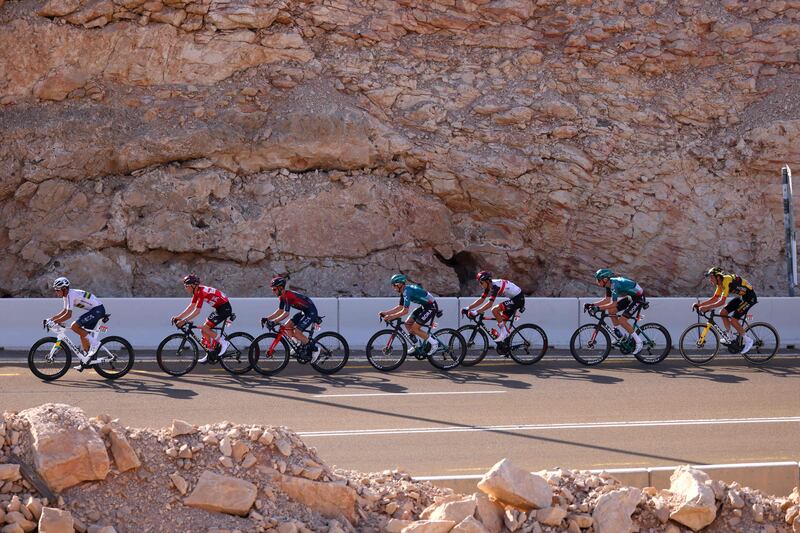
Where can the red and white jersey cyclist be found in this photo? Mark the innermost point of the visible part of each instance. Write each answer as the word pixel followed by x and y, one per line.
pixel 492 288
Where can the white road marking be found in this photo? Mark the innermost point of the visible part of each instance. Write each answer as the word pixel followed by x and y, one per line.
pixel 371 394
pixel 545 427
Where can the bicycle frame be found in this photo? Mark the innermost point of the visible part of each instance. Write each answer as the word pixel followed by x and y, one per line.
pixel 62 337
pixel 480 320
pixel 291 341
pixel 601 322
pixel 189 328
pixel 711 323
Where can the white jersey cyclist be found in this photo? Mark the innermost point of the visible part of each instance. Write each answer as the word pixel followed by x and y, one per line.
pixel 78 299
pixel 503 288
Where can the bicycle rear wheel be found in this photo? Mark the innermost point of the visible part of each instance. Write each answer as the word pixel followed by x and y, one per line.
pixel 590 344
pixel 527 344
pixel 120 353
pixel 236 359
pixel 765 343
pixel 49 359
pixel 386 350
pixel 699 346
pixel 451 350
pixel 268 355
pixel 177 354
pixel 333 354
pixel 477 344
pixel 656 344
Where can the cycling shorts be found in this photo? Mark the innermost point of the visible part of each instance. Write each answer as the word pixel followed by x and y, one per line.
pixel 425 313
pixel 219 314
pixel 512 305
pixel 89 319
pixel 630 306
pixel 739 306
pixel 304 319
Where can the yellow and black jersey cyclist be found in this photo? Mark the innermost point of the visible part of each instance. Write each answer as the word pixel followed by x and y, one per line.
pixel 744 297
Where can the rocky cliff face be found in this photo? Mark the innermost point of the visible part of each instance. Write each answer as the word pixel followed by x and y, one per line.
pixel 343 140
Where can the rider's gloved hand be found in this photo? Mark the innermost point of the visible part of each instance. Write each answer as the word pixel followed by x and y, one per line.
pixel 264 322
pixel 586 307
pixel 695 307
pixel 465 311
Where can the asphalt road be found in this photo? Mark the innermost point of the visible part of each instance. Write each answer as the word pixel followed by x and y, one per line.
pixel 555 413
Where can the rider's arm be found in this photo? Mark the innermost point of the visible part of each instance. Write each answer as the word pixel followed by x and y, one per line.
pixel 395 312
pixel 62 316
pixel 606 303
pixel 711 303
pixel 476 303
pixel 278 315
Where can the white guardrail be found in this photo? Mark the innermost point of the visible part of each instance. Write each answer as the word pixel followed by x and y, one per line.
pixel 145 321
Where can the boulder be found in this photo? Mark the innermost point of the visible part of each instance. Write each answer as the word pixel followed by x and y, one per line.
pixel 66 448
pixel 55 521
pixel 693 503
pixel 429 526
pixel 223 494
pixel 396 526
pixel 488 512
pixel 515 486
pixel 124 455
pixel 9 472
pixel 551 516
pixel 456 510
pixel 470 525
pixel 328 499
pixel 179 427
pixel 613 510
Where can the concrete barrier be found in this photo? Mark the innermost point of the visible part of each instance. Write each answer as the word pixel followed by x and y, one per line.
pixel 145 321
pixel 773 478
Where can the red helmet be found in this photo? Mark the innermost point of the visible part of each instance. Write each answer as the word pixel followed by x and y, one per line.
pixel 191 279
pixel 278 281
pixel 483 275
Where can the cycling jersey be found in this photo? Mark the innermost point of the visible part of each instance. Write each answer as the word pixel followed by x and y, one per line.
pixel 77 299
pixel 415 294
pixel 624 287
pixel 733 284
pixel 501 287
pixel 299 301
pixel 213 296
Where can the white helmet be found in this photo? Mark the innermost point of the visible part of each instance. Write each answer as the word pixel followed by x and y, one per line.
pixel 61 283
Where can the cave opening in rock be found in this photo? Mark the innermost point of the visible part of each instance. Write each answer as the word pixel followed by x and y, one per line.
pixel 465 265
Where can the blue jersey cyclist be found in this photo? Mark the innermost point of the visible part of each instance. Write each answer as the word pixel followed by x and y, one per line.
pixel 624 299
pixel 305 317
pixel 412 293
pixel 90 307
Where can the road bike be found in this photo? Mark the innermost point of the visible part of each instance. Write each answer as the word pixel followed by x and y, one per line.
pixel 269 353
pixel 50 357
pixel 388 348
pixel 526 344
pixel 178 353
pixel 591 343
pixel 700 342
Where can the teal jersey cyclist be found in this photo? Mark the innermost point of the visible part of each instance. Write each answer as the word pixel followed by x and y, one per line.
pixel 412 293
pixel 624 299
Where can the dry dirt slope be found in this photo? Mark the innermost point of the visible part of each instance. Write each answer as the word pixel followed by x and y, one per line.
pixel 261 478
pixel 342 140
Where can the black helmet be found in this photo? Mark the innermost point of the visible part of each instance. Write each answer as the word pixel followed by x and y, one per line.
pixel 191 279
pixel 278 281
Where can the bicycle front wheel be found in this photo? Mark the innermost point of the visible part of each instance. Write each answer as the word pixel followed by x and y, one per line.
pixel 236 358
pixel 527 344
pixel 117 357
pixel 49 359
pixel 386 350
pixel 177 354
pixel 656 344
pixel 333 353
pixel 268 355
pixel 590 345
pixel 765 343
pixel 477 344
pixel 451 350
pixel 699 344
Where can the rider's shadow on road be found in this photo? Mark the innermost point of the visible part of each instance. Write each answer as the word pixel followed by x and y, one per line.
pixel 678 369
pixel 471 376
pixel 128 386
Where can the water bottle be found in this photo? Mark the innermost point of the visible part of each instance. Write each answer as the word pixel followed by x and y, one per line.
pixel 494 333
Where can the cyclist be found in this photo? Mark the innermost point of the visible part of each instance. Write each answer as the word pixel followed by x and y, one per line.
pixel 427 310
pixel 92 309
pixel 745 298
pixel 222 311
pixel 306 315
pixel 492 288
pixel 628 305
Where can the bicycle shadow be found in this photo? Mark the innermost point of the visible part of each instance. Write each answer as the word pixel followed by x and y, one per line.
pixel 128 385
pixel 679 369
pixel 468 376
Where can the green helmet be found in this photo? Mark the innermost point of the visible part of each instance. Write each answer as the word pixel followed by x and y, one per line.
pixel 603 273
pixel 714 271
pixel 399 278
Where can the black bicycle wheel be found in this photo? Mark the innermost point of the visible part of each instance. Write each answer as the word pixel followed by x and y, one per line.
pixel 117 357
pixel 268 355
pixel 451 349
pixel 477 344
pixel 765 343
pixel 699 344
pixel 236 358
pixel 49 358
pixel 386 350
pixel 177 354
pixel 656 344
pixel 333 353
pixel 527 344
pixel 590 344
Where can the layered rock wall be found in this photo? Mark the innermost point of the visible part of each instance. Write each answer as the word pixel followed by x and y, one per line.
pixel 343 140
